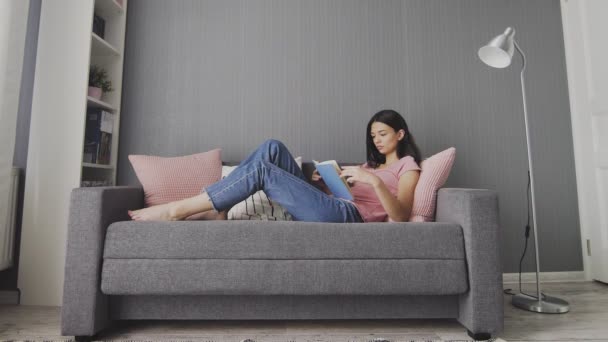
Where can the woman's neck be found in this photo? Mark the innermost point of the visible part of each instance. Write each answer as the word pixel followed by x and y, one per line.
pixel 391 159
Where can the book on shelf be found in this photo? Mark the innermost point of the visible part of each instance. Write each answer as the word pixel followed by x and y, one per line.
pixel 330 171
pixel 90 153
pixel 98 136
pixel 104 148
pixel 91 135
pixel 99 26
pixel 107 122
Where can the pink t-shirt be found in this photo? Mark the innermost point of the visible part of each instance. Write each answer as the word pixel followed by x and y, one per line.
pixel 365 198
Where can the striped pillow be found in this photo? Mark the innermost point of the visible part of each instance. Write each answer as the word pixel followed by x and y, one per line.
pixel 258 206
pixel 171 179
pixel 434 174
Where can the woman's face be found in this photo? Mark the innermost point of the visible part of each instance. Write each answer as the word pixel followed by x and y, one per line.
pixel 385 138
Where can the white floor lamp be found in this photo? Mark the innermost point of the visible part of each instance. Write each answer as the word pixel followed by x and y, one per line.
pixel 498 54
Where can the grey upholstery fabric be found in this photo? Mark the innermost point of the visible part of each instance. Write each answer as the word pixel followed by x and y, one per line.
pixel 282 307
pixel 476 210
pixel 84 309
pixel 283 240
pixel 283 277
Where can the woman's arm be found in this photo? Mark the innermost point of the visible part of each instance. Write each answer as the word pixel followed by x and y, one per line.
pixel 398 208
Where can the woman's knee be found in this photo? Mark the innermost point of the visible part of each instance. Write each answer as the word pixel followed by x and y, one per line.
pixel 272 148
pixel 260 165
pixel 274 143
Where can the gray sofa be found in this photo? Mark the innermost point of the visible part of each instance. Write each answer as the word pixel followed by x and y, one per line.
pixel 118 269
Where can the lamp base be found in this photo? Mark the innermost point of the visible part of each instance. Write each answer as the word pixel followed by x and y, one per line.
pixel 546 305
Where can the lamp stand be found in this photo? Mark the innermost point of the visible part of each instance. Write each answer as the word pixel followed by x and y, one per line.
pixel 536 304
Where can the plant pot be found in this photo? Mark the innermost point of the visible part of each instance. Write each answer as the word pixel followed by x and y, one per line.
pixel 95 92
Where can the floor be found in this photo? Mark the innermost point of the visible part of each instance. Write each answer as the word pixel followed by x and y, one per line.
pixel 586 321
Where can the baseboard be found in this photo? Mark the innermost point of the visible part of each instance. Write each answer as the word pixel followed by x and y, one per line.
pixel 545 277
pixel 9 297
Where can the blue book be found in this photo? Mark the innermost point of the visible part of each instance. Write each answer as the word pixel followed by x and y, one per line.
pixel 330 173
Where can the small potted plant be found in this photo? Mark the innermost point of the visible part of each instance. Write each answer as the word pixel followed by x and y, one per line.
pixel 98 82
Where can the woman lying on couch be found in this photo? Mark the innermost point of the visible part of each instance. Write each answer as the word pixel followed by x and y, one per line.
pixel 382 188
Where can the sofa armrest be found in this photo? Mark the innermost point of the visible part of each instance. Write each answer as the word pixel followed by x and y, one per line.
pixel 85 309
pixel 476 210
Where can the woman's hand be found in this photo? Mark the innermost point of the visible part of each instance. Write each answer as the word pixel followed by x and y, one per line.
pixel 316 177
pixel 358 174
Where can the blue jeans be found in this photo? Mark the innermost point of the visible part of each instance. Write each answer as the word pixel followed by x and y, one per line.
pixel 272 168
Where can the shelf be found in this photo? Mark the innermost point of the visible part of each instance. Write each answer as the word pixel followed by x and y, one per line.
pixel 108 8
pixel 87 184
pixel 95 103
pixel 97 166
pixel 100 47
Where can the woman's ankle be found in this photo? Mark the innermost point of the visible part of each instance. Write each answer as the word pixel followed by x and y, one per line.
pixel 175 212
pixel 179 210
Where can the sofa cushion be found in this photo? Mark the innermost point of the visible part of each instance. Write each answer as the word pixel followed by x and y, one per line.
pixel 282 240
pixel 283 277
pixel 435 172
pixel 167 179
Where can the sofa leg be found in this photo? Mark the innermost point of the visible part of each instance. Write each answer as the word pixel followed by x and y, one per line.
pixel 479 336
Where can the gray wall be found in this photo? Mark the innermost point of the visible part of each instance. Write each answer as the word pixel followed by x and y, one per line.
pixel 8 277
pixel 207 74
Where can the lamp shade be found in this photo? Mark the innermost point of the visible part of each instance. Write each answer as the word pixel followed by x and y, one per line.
pixel 499 51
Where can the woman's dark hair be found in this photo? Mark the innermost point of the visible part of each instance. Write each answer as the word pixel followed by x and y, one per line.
pixel 406 146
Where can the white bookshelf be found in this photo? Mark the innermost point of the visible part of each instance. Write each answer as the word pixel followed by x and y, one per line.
pixel 107 53
pixel 66 48
pixel 109 8
pixel 95 103
pixel 97 166
pixel 100 47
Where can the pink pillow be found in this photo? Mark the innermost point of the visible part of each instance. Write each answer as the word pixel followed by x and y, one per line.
pixel 171 179
pixel 434 174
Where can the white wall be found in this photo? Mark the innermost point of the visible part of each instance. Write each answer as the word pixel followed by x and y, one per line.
pixel 13 27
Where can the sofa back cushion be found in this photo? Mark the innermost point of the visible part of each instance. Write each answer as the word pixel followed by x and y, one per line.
pixel 435 172
pixel 167 179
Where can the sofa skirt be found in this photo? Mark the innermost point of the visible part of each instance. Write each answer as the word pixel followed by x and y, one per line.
pixel 239 307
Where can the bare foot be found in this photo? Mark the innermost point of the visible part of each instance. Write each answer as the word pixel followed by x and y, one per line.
pixel 161 212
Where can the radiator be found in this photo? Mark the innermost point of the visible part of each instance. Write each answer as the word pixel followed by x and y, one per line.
pixel 7 229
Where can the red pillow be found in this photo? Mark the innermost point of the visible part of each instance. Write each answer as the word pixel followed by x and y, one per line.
pixel 171 179
pixel 434 174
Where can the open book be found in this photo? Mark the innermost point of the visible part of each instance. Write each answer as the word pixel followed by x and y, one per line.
pixel 330 172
